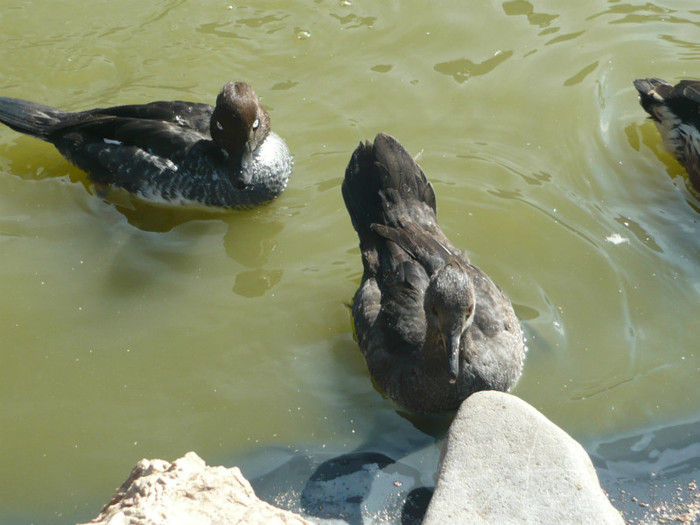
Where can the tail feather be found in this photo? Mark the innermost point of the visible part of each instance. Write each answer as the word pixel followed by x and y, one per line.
pixel 29 117
pixel 652 94
pixel 383 184
pixel 653 87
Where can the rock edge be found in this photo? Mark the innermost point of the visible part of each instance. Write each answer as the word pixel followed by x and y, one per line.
pixel 505 462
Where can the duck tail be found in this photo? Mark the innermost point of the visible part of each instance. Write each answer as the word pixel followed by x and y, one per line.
pixel 653 92
pixel 29 117
pixel 383 183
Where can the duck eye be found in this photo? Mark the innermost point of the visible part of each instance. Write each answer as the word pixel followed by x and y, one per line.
pixel 219 126
pixel 256 123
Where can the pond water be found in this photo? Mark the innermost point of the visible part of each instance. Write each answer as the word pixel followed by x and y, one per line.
pixel 129 331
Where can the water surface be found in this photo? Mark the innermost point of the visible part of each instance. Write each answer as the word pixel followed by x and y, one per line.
pixel 130 331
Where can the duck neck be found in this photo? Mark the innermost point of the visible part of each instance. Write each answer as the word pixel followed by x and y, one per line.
pixel 433 357
pixel 421 383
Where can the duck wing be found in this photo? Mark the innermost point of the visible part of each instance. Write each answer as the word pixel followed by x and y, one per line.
pixel 689 89
pixel 190 115
pixel 160 138
pixel 114 149
pixel 401 318
pixel 430 249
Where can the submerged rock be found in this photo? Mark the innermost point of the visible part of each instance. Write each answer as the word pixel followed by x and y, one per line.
pixel 187 491
pixel 504 462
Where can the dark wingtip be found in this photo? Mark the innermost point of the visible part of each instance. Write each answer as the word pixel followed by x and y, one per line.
pixel 382 138
pixel 645 86
pixel 642 85
pixel 387 149
pixel 652 93
pixel 363 154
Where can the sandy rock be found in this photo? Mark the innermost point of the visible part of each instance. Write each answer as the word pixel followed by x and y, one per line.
pixel 188 492
pixel 504 462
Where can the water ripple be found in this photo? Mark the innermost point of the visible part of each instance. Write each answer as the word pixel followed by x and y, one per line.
pixel 463 69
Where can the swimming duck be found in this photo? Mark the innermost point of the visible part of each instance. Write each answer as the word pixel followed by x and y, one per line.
pixel 676 112
pixel 432 327
pixel 174 153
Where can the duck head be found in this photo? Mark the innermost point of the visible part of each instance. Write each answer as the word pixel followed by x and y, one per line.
pixel 449 311
pixel 238 126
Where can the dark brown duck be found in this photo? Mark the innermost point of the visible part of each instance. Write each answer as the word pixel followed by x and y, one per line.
pixel 676 112
pixel 432 327
pixel 169 152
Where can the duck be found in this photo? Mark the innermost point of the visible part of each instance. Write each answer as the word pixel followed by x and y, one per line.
pixel 676 112
pixel 173 153
pixel 432 327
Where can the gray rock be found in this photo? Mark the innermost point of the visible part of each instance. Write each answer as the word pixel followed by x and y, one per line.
pixel 504 462
pixel 188 492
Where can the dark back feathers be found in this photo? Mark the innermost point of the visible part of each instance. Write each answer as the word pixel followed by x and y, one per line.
pixel 382 183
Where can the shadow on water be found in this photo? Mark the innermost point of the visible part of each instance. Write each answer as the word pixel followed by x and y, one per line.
pixel 250 238
pixel 366 485
pixel 387 477
pixel 651 476
pixel 154 218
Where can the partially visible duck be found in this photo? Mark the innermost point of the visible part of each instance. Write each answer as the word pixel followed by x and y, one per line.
pixel 175 153
pixel 432 327
pixel 676 112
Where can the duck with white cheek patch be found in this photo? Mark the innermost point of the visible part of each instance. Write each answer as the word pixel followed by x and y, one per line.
pixel 169 152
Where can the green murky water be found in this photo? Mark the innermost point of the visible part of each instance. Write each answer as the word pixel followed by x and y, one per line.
pixel 130 333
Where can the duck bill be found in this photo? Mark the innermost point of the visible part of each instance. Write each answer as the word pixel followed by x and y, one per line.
pixel 240 177
pixel 453 343
pixel 239 162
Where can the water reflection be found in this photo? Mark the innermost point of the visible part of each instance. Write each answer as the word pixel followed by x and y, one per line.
pixel 606 322
pixel 353 21
pixel 487 153
pixel 652 474
pixel 564 38
pixel 463 69
pixel 153 218
pixel 271 22
pixel 283 86
pixel 255 283
pixel 639 232
pixel 524 8
pixel 382 68
pixel 581 75
pixel 667 449
pixel 648 135
pixel 642 14
pixel 389 480
pixel 251 238
pixel 215 28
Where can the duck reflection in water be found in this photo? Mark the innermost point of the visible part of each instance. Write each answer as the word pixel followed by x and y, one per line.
pixel 432 327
